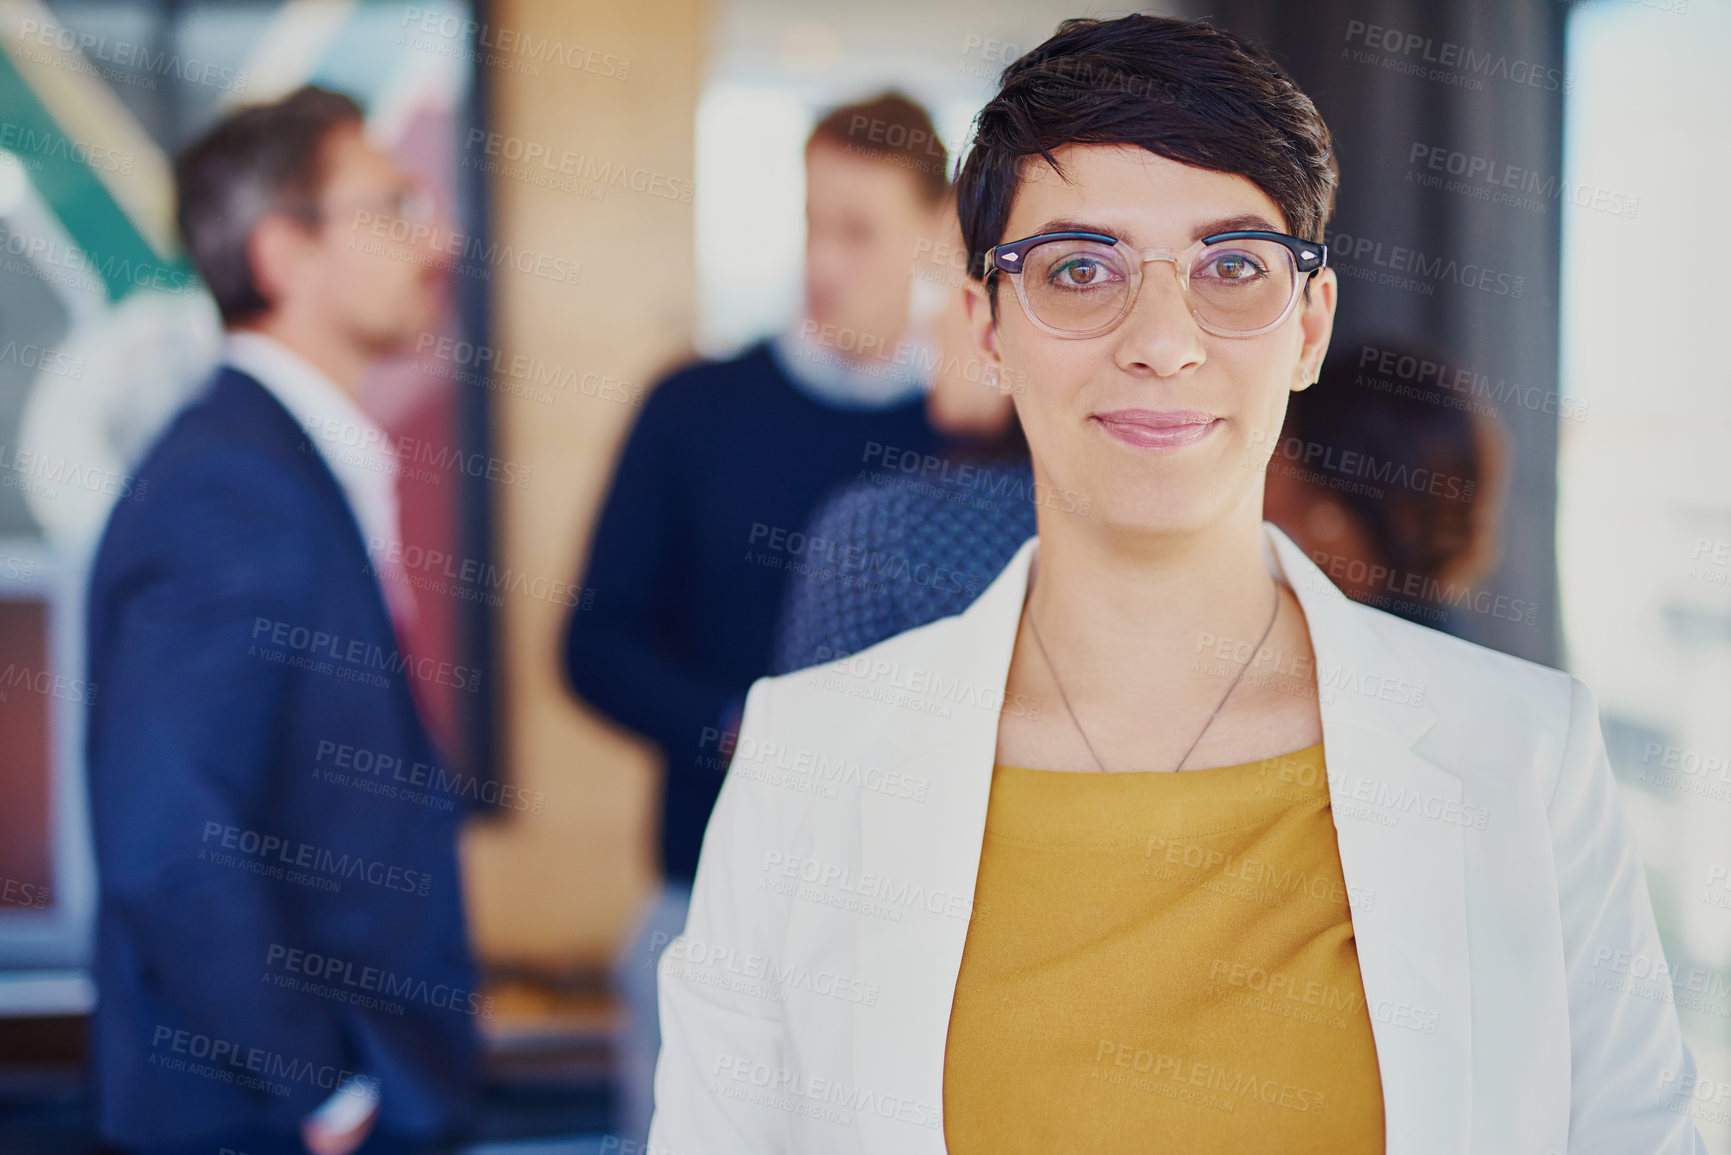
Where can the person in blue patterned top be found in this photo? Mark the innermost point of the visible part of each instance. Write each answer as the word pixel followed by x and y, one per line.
pixel 916 537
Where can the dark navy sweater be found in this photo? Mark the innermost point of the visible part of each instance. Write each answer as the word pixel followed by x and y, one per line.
pixel 691 555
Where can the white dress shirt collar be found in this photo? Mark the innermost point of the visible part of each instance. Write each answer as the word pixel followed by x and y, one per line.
pixel 351 443
pixel 827 377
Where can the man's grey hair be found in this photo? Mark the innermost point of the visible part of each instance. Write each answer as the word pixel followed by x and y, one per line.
pixel 258 160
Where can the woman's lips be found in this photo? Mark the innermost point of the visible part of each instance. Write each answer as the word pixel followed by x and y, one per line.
pixel 1154 429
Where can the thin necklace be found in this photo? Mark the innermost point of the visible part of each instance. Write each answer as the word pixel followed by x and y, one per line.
pixel 1065 698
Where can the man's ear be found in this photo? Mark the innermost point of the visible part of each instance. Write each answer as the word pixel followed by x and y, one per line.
pixel 275 253
pixel 1316 319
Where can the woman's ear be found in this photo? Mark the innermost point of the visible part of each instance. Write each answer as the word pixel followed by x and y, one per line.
pixel 982 326
pixel 1316 321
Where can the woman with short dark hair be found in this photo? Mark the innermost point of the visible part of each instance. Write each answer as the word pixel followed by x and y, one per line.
pixel 1164 844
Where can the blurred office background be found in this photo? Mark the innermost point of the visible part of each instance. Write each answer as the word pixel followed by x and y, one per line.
pixel 1583 303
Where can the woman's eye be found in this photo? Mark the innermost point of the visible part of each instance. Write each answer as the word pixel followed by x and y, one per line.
pixel 1234 267
pixel 1079 274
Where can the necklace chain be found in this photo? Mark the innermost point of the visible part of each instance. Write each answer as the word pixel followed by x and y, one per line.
pixel 1065 698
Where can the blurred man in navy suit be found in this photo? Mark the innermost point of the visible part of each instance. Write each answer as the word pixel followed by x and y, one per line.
pixel 281 954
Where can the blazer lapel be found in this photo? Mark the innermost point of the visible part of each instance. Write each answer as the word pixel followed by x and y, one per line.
pixel 1401 855
pixel 899 1042
pixel 1402 851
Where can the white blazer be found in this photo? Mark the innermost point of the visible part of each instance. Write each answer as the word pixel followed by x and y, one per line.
pixel 1505 937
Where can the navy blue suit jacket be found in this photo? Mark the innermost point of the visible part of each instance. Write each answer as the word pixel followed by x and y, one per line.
pixel 277 908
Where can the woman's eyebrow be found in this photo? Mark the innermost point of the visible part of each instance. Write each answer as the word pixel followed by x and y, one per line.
pixel 1241 222
pixel 1070 225
pixel 1244 222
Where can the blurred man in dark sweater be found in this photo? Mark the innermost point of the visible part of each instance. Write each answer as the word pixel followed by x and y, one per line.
pixel 719 478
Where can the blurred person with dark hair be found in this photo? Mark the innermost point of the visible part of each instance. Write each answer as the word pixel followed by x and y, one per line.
pixel 244 641
pixel 693 547
pixel 1393 487
pixel 997 927
pixel 921 535
pixel 910 550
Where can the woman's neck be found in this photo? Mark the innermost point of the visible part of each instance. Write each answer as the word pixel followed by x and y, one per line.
pixel 1173 650
pixel 1121 606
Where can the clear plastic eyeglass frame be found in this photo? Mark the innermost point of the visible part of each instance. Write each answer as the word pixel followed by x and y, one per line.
pixel 1308 258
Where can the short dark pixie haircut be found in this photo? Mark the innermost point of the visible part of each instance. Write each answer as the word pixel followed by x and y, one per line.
pixel 1181 89
pixel 258 160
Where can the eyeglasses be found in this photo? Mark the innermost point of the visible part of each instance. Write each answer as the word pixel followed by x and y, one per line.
pixel 1236 284
pixel 412 201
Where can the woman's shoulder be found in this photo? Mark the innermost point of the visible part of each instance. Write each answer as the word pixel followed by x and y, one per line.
pixel 1490 707
pixel 1461 666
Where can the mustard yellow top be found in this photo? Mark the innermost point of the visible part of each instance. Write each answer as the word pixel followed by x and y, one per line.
pixel 1161 962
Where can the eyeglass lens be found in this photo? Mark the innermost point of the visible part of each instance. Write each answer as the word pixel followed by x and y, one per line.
pixel 1234 286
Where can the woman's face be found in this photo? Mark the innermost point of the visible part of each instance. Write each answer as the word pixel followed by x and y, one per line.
pixel 1156 426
